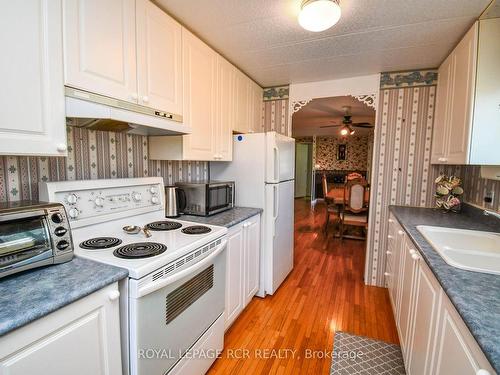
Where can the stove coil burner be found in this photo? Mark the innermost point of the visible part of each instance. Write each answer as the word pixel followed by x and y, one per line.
pixel 164 225
pixel 139 250
pixel 196 229
pixel 100 243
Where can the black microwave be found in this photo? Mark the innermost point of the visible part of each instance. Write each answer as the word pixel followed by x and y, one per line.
pixel 206 198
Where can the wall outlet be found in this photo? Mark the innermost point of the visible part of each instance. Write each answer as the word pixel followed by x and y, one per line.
pixel 488 197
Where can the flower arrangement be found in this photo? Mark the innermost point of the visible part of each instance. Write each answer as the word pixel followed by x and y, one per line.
pixel 448 191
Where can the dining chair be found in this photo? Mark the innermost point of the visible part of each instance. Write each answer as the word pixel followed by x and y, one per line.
pixel 355 209
pixel 331 208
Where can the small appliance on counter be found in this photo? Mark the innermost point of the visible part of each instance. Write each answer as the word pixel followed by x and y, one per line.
pixel 207 198
pixel 33 234
pixel 175 201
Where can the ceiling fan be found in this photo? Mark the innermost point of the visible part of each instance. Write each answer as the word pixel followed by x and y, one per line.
pixel 347 126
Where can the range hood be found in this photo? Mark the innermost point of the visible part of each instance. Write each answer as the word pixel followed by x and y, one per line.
pixel 99 112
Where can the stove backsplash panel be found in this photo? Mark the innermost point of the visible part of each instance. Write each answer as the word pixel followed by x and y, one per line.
pixel 91 155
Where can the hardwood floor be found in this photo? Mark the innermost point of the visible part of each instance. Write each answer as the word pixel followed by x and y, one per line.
pixel 324 293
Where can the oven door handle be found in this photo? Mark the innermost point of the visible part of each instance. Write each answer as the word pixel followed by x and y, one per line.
pixel 152 287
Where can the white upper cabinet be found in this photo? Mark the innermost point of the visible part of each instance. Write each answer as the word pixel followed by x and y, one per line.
pixel 486 131
pixel 159 58
pixel 248 103
pixel 200 93
pixel 124 49
pixel 225 109
pixel 32 114
pixel 255 110
pixel 441 119
pixel 100 47
pixel 468 100
pixel 242 99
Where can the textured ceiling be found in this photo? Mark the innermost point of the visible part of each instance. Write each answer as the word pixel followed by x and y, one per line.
pixel 493 11
pixel 264 39
pixel 328 111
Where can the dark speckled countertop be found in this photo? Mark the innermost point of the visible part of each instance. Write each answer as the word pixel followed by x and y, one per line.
pixel 227 218
pixel 32 294
pixel 475 295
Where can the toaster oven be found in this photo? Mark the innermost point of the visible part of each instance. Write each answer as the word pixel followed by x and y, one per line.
pixel 33 234
pixel 206 198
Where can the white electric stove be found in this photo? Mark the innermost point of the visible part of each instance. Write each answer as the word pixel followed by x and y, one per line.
pixel 172 304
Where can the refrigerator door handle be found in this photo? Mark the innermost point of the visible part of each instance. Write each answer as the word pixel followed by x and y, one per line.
pixel 276 197
pixel 276 163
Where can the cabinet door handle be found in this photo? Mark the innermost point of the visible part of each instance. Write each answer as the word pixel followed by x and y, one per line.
pixel 443 159
pixel 390 237
pixel 145 99
pixel 387 274
pixel 62 147
pixel 415 257
pixel 388 252
pixel 482 372
pixel 400 232
pixel 391 221
pixel 114 295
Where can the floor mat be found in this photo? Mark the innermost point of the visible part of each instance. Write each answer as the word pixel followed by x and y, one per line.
pixel 353 355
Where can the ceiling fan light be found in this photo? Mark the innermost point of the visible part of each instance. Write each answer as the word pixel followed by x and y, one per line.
pixel 319 15
pixel 351 130
pixel 344 131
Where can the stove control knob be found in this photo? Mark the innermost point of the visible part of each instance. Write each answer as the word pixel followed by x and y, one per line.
pixel 155 200
pixel 73 213
pixel 72 198
pixel 99 201
pixel 136 197
pixel 153 190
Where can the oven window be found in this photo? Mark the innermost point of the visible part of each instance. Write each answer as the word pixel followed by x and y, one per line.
pixel 22 235
pixel 220 197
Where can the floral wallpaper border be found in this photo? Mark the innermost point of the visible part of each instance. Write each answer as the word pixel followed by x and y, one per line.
pixel 275 93
pixel 408 79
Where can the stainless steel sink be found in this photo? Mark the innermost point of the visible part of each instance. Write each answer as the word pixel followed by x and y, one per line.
pixel 467 249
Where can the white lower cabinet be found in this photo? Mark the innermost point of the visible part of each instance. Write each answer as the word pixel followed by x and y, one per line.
pixel 242 273
pixel 234 272
pixel 456 351
pixel 252 257
pixel 424 316
pixel 434 339
pixel 407 290
pixel 80 339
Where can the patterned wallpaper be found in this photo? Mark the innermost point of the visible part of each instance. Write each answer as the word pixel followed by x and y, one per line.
pixel 401 169
pixel 356 158
pixel 91 155
pixel 275 116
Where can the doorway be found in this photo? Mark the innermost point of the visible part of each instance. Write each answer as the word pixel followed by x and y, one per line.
pixel 303 170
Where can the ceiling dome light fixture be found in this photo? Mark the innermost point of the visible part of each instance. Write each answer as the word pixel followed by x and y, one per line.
pixel 319 15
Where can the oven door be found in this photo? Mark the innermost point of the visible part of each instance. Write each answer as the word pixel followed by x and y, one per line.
pixel 168 318
pixel 220 197
pixel 24 239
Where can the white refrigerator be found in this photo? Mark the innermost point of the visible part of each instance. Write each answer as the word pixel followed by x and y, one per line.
pixel 263 169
